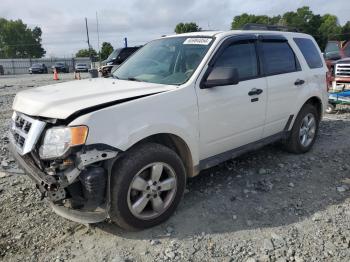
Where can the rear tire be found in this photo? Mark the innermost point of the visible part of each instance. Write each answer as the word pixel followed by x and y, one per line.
pixel 147 184
pixel 304 131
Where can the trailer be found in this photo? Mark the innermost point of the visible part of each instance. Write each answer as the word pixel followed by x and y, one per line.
pixel 339 98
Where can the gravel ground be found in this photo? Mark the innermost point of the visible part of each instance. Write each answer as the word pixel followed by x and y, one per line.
pixel 268 205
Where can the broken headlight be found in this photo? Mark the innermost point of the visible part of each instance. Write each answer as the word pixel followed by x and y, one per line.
pixel 58 140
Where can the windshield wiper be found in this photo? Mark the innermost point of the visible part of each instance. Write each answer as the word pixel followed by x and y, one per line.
pixel 134 79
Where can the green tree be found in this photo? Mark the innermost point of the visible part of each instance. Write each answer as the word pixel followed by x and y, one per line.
pixel 86 53
pixel 300 19
pixel 187 28
pixel 106 50
pixel 17 40
pixel 240 20
pixel 329 30
pixel 346 31
pixel 323 28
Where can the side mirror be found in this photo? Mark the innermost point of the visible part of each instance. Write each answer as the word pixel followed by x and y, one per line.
pixel 118 59
pixel 221 76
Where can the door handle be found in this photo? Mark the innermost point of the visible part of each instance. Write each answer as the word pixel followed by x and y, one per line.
pixel 255 91
pixel 299 82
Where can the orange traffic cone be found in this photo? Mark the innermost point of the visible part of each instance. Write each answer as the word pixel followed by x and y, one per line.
pixel 55 74
pixel 77 76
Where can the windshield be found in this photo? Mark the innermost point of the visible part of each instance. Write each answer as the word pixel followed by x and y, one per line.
pixel 169 61
pixel 332 51
pixel 36 65
pixel 113 55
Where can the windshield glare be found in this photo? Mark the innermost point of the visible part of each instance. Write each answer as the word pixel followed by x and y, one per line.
pixel 169 61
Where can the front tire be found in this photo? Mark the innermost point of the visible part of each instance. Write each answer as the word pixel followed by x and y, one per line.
pixel 330 109
pixel 304 131
pixel 147 185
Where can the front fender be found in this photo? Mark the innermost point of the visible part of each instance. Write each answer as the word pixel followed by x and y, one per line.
pixel 121 126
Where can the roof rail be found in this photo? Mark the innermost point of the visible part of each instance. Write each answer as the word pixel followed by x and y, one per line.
pixel 253 26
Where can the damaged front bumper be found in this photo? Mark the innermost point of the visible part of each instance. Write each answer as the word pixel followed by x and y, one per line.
pixel 57 190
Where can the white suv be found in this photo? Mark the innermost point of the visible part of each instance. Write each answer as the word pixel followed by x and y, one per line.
pixel 123 147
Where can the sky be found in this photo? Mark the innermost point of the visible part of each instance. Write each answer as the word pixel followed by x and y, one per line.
pixel 63 24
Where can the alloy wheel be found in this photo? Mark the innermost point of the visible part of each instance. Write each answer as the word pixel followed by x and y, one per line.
pixel 307 130
pixel 152 191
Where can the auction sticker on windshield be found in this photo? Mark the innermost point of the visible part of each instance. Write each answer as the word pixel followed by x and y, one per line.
pixel 197 41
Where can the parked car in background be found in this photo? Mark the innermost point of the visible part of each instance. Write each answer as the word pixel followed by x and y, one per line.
pixel 123 147
pixel 117 57
pixel 38 68
pixel 337 56
pixel 60 67
pixel 81 67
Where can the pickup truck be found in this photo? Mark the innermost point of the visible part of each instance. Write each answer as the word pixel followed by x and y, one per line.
pixel 337 55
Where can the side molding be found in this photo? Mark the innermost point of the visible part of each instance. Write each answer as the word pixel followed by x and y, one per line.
pixel 217 159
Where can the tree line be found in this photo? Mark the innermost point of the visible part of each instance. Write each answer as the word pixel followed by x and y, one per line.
pixel 322 28
pixel 106 50
pixel 17 40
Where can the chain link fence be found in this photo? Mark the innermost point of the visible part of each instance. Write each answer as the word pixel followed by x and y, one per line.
pixel 21 65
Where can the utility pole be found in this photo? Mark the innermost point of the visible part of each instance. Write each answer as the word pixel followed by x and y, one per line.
pixel 125 42
pixel 98 40
pixel 88 39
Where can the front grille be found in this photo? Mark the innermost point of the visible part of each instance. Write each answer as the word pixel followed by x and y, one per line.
pixel 25 132
pixel 19 140
pixel 342 70
pixel 22 124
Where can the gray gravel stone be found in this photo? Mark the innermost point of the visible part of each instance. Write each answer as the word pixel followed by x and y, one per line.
pixel 342 188
pixel 268 245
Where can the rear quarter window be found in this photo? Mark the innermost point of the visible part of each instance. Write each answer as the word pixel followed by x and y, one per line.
pixel 310 52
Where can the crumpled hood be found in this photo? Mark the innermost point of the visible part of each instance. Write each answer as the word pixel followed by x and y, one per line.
pixel 63 99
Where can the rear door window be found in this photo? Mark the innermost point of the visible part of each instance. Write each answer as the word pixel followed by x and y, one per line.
pixel 242 56
pixel 310 52
pixel 278 58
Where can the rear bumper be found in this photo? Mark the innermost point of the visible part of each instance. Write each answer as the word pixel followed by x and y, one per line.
pixel 46 183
